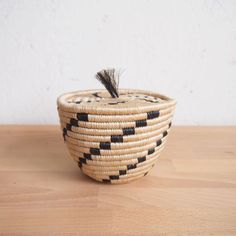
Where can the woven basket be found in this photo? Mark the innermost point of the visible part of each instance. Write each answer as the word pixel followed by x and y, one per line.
pixel 115 140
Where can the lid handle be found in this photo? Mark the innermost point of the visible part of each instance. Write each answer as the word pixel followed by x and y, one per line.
pixel 110 79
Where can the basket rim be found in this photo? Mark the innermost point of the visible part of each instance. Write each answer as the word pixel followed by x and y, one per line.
pixel 118 110
pixel 119 131
pixel 113 125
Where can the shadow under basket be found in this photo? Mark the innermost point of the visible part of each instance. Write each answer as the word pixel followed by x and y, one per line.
pixel 115 140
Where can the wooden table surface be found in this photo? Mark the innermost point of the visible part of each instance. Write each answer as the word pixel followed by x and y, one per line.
pixel 191 190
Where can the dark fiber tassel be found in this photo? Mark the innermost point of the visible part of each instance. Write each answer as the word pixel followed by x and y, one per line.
pixel 110 80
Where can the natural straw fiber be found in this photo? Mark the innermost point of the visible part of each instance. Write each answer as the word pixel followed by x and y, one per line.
pixel 100 160
pixel 113 146
pixel 127 138
pixel 115 139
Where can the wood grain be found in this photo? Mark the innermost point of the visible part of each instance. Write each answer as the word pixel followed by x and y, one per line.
pixel 191 191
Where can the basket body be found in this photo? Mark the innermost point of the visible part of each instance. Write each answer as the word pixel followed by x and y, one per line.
pixel 117 141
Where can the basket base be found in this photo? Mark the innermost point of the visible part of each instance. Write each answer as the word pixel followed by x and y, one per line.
pixel 123 180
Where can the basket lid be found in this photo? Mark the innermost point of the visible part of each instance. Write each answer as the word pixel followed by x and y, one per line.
pixel 130 101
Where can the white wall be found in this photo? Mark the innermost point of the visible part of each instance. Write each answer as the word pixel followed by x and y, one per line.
pixel 184 49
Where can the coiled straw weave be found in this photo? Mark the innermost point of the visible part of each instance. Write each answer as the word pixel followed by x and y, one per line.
pixel 115 140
